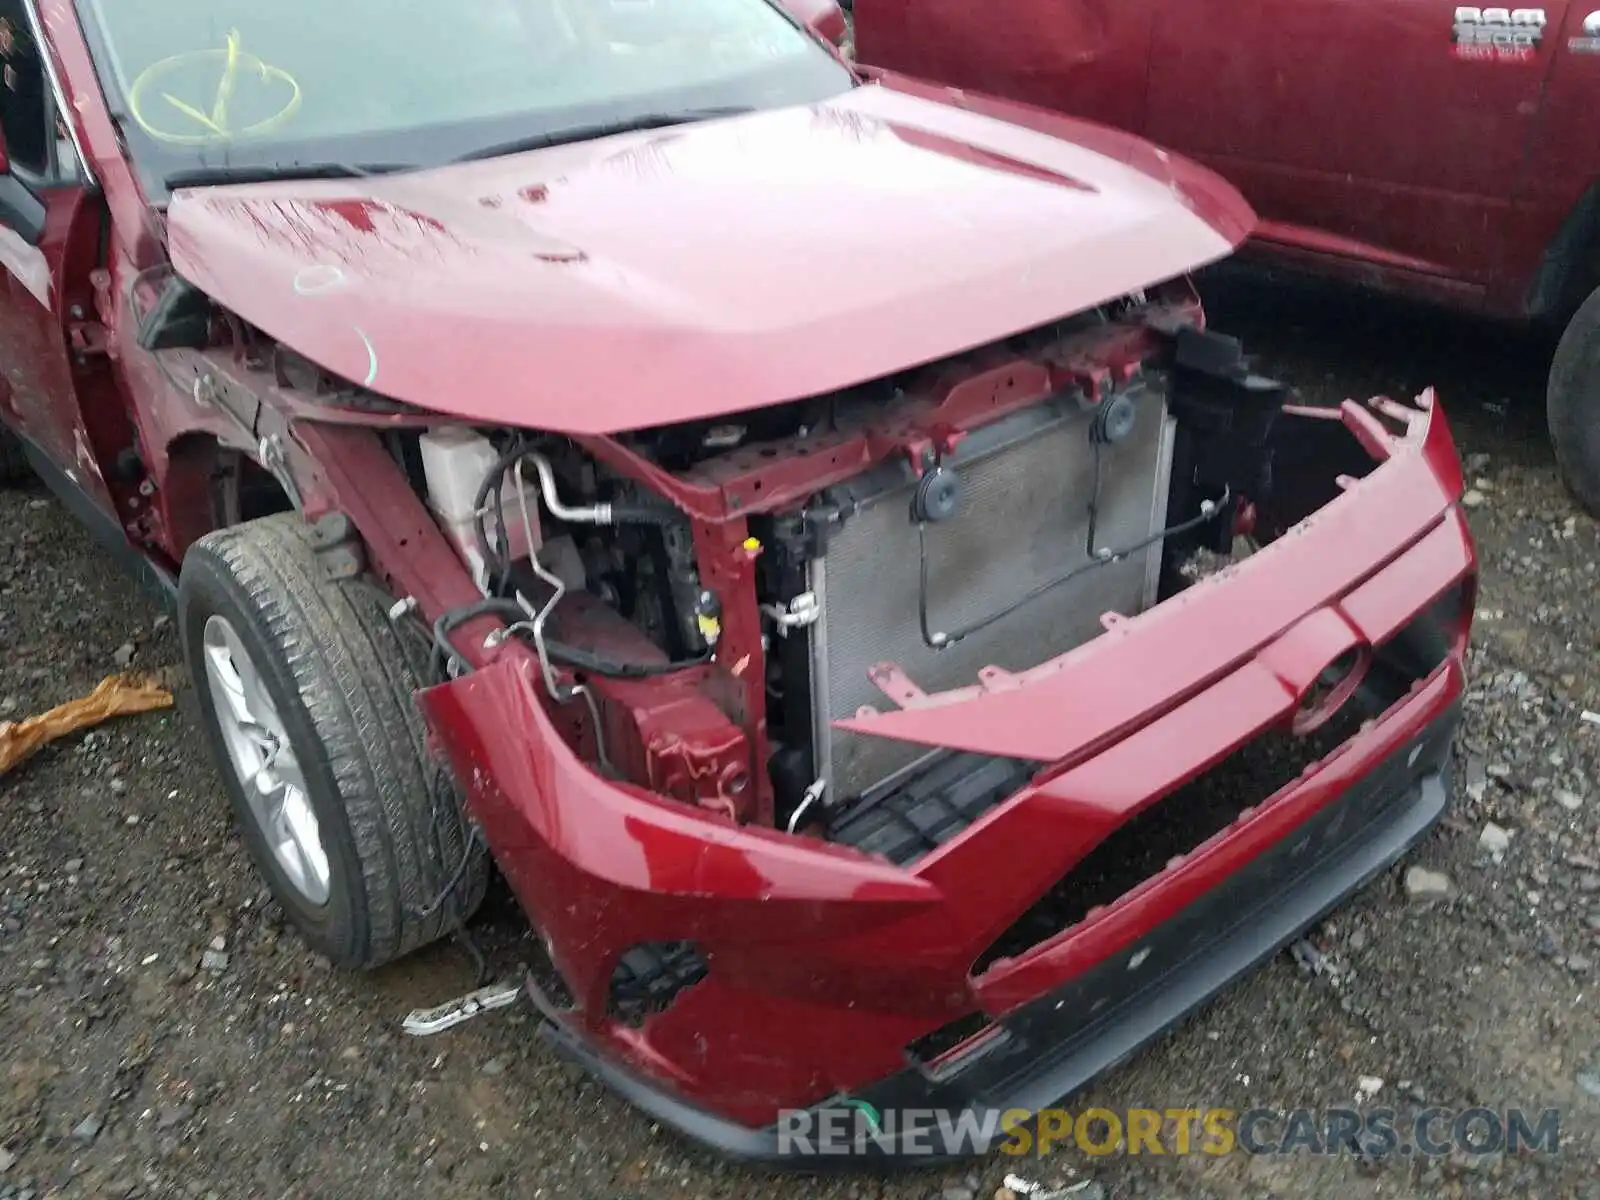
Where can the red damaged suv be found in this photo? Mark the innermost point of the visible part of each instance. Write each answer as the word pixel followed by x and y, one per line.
pixel 797 525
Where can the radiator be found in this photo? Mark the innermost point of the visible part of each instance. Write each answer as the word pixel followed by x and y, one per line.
pixel 1023 521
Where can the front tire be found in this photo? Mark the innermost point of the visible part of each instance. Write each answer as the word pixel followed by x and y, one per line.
pixel 304 689
pixel 1574 405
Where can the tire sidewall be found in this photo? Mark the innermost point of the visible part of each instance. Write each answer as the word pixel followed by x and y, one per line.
pixel 1574 405
pixel 336 928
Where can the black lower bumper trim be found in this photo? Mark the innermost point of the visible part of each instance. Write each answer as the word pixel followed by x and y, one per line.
pixel 1056 1045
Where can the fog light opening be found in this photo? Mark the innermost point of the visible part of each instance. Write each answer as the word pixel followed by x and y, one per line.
pixel 649 977
pixel 1334 688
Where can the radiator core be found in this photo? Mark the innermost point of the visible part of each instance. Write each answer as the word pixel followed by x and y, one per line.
pixel 1023 521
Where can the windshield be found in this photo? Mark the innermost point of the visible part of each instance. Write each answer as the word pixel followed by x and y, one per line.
pixel 206 84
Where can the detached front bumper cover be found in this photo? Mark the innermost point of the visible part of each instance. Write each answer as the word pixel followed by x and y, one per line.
pixel 823 965
pixel 1058 1043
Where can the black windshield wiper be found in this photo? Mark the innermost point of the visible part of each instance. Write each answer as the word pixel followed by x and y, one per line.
pixel 584 133
pixel 216 176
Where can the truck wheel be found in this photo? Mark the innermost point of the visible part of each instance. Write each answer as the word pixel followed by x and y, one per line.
pixel 13 462
pixel 304 688
pixel 1574 405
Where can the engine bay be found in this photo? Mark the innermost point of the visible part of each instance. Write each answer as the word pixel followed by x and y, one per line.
pixel 708 599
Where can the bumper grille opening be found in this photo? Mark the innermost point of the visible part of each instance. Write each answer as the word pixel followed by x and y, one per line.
pixel 1181 822
pixel 1173 826
pixel 904 821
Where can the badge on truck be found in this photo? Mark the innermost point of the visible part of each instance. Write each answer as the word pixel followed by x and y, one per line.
pixel 1497 34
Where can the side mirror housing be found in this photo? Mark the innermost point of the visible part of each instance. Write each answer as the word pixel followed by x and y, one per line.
pixel 20 210
pixel 823 17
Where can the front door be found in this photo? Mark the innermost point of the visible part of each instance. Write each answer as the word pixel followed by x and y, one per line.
pixel 40 285
pixel 1394 130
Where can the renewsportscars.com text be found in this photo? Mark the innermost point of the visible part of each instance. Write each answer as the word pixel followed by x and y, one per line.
pixel 858 1128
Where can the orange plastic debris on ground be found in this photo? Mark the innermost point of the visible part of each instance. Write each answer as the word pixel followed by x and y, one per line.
pixel 117 696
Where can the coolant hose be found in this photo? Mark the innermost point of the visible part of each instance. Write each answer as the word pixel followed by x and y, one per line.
pixel 659 514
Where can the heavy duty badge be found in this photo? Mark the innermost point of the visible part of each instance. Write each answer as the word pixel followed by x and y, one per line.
pixel 1589 41
pixel 1497 34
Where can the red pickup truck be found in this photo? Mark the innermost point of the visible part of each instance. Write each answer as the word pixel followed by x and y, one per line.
pixel 1440 151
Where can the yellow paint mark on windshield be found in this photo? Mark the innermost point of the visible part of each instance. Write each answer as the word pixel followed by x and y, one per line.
pixel 219 115
pixel 199 129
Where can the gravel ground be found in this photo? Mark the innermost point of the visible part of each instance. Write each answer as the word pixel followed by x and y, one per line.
pixel 132 1068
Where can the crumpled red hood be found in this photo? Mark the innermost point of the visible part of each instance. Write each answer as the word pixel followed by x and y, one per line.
pixel 702 270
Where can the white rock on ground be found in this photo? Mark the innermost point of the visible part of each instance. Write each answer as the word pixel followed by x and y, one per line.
pixel 1423 884
pixel 1494 839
